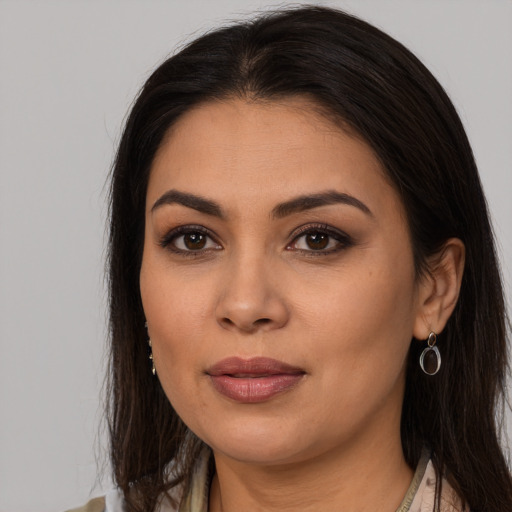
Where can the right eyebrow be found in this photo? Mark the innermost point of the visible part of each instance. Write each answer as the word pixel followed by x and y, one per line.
pixel 200 204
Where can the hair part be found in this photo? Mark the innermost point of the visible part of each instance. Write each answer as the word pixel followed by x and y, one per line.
pixel 373 87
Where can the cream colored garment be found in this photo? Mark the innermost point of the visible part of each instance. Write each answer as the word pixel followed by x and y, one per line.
pixel 420 496
pixel 425 495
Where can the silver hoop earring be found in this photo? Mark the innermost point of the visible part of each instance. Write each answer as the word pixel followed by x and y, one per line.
pixel 430 359
pixel 153 369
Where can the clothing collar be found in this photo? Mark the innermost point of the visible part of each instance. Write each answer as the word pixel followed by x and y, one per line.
pixel 196 499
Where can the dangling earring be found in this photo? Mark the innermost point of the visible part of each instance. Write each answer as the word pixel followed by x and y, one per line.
pixel 430 359
pixel 153 369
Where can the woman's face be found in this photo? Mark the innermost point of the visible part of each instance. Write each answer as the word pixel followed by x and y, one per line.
pixel 278 283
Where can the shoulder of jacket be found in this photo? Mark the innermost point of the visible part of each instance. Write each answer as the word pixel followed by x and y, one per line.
pixel 94 505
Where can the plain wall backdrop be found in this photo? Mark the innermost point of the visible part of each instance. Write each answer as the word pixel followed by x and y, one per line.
pixel 68 73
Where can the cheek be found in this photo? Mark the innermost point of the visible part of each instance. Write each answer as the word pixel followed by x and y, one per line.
pixel 362 320
pixel 177 310
pixel 172 299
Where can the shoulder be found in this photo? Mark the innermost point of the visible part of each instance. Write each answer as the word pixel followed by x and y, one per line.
pixel 113 501
pixel 95 505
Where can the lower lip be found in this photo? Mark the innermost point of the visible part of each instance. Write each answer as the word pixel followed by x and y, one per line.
pixel 255 389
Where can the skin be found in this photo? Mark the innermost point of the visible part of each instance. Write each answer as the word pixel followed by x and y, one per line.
pixel 344 315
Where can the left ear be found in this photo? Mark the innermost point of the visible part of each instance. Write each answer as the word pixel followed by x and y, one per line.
pixel 439 288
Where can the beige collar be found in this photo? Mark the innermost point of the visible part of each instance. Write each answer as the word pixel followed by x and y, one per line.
pixel 419 497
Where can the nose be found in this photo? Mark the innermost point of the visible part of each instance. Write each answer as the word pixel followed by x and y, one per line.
pixel 249 299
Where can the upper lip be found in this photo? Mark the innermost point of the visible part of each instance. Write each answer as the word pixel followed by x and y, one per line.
pixel 255 366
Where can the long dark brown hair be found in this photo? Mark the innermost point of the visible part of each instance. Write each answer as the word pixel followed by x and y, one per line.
pixel 372 84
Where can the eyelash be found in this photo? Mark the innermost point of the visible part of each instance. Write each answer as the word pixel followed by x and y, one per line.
pixel 343 240
pixel 169 240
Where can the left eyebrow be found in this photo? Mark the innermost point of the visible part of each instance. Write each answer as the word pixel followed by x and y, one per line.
pixel 308 202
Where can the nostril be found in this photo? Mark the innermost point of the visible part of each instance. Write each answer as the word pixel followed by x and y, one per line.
pixel 262 321
pixel 251 326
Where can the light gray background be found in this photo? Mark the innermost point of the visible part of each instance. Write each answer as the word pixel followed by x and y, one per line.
pixel 68 72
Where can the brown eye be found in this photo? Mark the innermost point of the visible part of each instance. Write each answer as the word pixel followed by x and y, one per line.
pixel 322 240
pixel 194 241
pixel 188 239
pixel 317 241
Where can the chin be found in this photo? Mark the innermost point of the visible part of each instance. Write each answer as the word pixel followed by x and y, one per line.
pixel 260 454
pixel 263 443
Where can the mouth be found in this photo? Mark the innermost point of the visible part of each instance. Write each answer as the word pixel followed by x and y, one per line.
pixel 253 380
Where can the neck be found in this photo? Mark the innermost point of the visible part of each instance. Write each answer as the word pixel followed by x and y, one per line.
pixel 369 472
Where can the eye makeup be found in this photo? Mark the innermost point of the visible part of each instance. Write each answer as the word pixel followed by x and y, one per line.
pixel 189 240
pixel 319 240
pixel 312 239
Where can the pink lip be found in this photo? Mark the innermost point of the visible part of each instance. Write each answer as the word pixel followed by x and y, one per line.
pixel 253 380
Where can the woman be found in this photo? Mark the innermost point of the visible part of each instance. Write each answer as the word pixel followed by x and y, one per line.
pixel 306 306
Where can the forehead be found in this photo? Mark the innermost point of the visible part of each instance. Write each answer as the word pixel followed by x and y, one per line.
pixel 243 150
